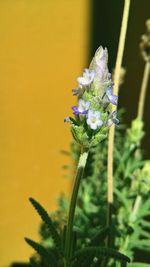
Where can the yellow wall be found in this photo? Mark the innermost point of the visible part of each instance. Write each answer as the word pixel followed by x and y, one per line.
pixel 43 47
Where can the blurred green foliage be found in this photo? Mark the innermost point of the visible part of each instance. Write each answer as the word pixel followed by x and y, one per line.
pixel 130 229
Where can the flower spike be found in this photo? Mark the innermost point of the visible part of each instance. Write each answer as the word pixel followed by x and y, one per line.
pixel 95 93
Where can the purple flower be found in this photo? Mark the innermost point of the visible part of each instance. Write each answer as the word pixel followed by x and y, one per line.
pixel 111 98
pixel 94 119
pixel 87 78
pixel 112 119
pixel 82 107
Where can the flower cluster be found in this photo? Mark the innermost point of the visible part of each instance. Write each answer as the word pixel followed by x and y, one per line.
pixel 93 114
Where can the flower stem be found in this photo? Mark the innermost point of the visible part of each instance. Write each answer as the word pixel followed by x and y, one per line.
pixel 117 72
pixel 116 91
pixel 143 90
pixel 69 232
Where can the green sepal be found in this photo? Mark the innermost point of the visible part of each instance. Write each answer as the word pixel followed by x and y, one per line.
pixel 99 137
pixel 80 135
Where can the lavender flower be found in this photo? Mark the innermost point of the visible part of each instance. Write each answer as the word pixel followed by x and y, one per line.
pixel 94 94
pixel 112 119
pixel 93 119
pixel 87 78
pixel 82 107
pixel 111 98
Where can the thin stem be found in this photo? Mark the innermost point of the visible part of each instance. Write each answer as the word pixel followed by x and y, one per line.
pixel 116 90
pixel 117 72
pixel 143 90
pixel 79 175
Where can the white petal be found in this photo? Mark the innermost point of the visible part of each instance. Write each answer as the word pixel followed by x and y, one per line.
pixel 93 126
pixel 97 114
pixel 99 123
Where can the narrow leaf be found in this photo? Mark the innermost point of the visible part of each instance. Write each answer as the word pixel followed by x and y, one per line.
pixel 47 220
pixel 46 256
pixel 146 224
pixel 33 263
pixel 101 251
pixel 143 244
pixel 99 238
pixel 145 234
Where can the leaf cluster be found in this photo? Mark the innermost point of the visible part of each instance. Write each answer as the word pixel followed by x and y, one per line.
pixel 54 256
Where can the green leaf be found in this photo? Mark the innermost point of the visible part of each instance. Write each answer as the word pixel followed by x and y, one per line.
pixel 63 237
pixel 74 241
pixel 143 244
pixel 146 224
pixel 47 257
pixel 84 261
pixel 121 197
pixel 77 229
pixel 99 238
pixel 101 252
pixel 47 220
pixel 138 264
pixel 145 211
pixel 131 166
pixel 145 234
pixel 123 263
pixel 33 263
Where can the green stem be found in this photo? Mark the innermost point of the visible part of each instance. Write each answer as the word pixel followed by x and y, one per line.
pixel 78 178
pixel 132 219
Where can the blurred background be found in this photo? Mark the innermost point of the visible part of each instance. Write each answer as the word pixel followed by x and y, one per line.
pixel 44 47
